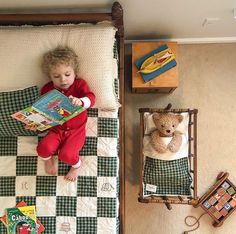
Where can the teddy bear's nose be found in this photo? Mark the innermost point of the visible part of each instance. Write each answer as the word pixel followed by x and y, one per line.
pixel 168 131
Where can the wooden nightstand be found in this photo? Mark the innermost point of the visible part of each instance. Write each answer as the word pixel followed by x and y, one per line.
pixel 164 83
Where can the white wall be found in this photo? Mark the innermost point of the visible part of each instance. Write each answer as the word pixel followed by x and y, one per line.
pixel 152 19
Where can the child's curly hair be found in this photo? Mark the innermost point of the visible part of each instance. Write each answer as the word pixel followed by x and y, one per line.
pixel 59 55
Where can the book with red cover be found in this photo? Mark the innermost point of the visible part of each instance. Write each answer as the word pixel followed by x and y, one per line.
pixel 40 227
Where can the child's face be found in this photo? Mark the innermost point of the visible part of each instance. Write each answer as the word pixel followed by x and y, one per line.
pixel 62 76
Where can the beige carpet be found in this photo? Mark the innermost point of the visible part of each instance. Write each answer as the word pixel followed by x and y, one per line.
pixel 207 75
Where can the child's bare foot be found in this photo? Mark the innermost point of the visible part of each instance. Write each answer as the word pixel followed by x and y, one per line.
pixel 72 174
pixel 50 166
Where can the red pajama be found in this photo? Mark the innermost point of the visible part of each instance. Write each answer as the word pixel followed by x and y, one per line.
pixel 69 138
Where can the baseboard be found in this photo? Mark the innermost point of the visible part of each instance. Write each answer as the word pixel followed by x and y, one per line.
pixel 201 40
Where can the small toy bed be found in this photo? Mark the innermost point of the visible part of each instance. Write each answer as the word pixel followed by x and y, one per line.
pixel 95 202
pixel 169 177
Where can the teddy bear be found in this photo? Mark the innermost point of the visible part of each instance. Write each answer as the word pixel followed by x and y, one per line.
pixel 166 124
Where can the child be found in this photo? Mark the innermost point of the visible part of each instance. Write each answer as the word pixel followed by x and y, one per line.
pixel 61 65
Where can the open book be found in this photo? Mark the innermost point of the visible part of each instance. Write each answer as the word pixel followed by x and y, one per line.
pixel 49 110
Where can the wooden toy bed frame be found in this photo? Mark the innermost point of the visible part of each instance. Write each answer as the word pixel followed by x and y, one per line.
pixel 116 17
pixel 192 156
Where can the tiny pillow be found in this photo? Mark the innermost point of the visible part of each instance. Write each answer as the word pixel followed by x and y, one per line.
pixel 11 102
pixel 21 50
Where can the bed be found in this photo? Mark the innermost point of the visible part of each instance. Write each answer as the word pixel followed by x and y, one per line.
pixel 95 202
pixel 169 178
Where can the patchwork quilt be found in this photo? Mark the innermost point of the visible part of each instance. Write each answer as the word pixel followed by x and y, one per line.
pixel 90 204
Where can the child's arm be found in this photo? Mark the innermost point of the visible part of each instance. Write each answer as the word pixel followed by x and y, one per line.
pixel 87 97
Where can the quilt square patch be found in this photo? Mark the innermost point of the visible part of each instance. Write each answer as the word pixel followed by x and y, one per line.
pixel 49 223
pixel 107 166
pixel 66 188
pixel 106 225
pixel 46 206
pixel 26 165
pixel 91 127
pixel 66 206
pixel 107 114
pixel 106 186
pixel 87 186
pixel 46 186
pixel 65 225
pixel 87 225
pixel 107 127
pixel 7 186
pixel 6 203
pixel 8 146
pixel 27 145
pixel 107 207
pixel 107 147
pixel 25 185
pixel 90 147
pixel 87 207
pixel 29 200
pixel 7 166
pixel 88 166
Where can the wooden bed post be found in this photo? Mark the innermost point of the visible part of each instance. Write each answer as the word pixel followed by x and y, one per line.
pixel 117 18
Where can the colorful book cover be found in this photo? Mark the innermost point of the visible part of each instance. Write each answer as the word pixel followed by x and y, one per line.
pixel 40 227
pixel 21 220
pixel 165 64
pixel 49 110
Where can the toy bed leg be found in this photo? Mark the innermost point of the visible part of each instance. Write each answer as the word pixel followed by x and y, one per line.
pixel 168 205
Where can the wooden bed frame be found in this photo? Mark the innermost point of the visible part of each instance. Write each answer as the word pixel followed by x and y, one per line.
pixel 192 156
pixel 116 16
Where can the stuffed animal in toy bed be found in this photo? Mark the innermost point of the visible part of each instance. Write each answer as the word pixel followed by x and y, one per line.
pixel 166 124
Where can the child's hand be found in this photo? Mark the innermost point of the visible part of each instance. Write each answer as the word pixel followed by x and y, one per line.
pixel 75 101
pixel 31 127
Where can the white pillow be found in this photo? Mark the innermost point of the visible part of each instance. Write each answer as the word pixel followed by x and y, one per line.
pixel 21 50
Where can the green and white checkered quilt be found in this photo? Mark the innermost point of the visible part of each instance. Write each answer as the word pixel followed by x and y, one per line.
pixel 89 205
pixel 166 177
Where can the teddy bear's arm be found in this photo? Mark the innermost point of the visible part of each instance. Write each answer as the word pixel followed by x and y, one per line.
pixel 157 142
pixel 175 143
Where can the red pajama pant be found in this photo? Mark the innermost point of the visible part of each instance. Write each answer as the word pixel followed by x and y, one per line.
pixel 67 142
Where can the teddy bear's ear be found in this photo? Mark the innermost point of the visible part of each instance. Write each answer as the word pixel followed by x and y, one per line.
pixel 156 116
pixel 180 118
